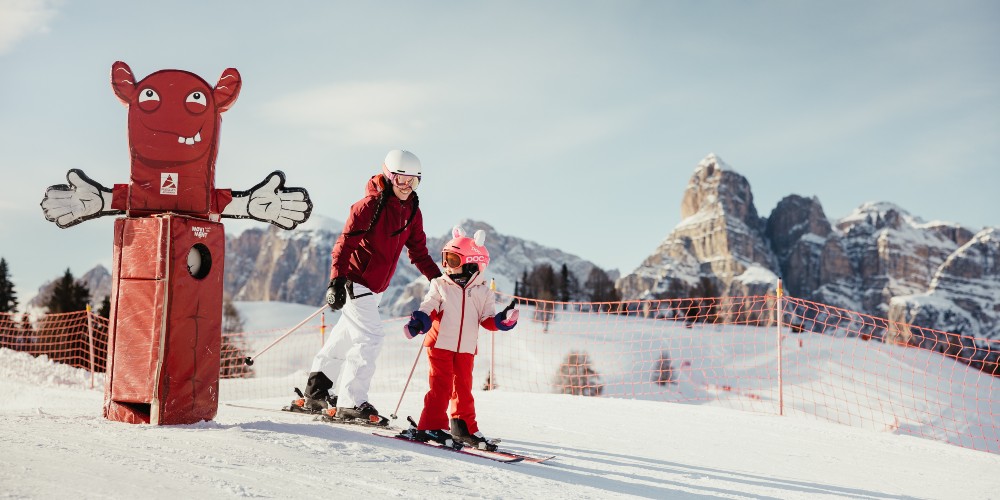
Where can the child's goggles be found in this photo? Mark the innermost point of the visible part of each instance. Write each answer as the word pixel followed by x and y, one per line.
pixel 451 259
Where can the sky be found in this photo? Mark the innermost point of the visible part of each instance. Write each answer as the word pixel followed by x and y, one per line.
pixel 574 124
pixel 53 437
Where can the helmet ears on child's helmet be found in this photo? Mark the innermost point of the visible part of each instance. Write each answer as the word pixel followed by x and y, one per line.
pixel 472 250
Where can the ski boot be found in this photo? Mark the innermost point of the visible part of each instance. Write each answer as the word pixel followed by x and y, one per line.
pixel 304 404
pixel 460 432
pixel 438 436
pixel 363 412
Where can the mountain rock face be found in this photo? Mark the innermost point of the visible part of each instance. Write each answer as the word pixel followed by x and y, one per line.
pixel 720 238
pixel 294 266
pixel 879 260
pixel 963 297
pixel 276 265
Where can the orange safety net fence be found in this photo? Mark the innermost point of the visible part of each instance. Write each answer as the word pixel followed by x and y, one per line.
pixel 737 352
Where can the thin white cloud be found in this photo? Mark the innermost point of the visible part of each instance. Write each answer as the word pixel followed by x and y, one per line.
pixel 22 18
pixel 365 113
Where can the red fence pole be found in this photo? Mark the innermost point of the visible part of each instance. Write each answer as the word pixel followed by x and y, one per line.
pixel 778 315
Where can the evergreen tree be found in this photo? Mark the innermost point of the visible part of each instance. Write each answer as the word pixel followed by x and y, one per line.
pixel 8 297
pixel 663 372
pixel 543 285
pixel 26 338
pixel 234 346
pixel 564 284
pixel 526 290
pixel 543 282
pixel 232 322
pixel 703 307
pixel 8 330
pixel 64 340
pixel 569 286
pixel 68 295
pixel 577 377
pixel 105 309
pixel 599 287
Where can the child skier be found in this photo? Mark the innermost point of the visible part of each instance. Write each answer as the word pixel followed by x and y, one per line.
pixel 455 306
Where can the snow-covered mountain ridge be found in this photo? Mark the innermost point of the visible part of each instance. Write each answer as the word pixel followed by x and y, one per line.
pixel 294 266
pixel 879 260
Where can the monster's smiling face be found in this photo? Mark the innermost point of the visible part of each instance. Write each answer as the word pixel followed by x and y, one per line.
pixel 173 115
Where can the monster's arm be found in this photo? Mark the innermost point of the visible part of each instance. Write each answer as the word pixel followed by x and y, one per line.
pixel 81 199
pixel 270 201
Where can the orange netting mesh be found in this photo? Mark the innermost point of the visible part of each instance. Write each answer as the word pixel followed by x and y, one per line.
pixel 735 352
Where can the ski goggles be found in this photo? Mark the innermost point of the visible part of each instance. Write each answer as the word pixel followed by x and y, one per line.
pixel 451 259
pixel 403 180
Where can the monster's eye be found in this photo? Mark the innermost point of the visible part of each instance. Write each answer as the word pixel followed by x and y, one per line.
pixel 196 101
pixel 148 99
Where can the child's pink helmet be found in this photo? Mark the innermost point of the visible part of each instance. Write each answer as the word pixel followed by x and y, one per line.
pixel 468 250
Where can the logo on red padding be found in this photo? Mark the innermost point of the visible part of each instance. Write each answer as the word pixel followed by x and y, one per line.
pixel 168 183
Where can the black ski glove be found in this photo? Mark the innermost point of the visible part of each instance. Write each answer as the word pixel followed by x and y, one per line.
pixel 336 293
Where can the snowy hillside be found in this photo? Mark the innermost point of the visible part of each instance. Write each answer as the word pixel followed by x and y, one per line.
pixel 54 442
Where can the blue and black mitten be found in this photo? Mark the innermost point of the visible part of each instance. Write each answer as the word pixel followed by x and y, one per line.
pixel 506 319
pixel 420 323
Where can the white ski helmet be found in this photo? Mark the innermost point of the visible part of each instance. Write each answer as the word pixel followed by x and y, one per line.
pixel 402 163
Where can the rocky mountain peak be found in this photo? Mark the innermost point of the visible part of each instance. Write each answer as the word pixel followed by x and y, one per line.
pixel 879 257
pixel 721 238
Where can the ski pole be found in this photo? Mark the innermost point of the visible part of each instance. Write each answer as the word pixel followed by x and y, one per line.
pixel 249 359
pixel 407 384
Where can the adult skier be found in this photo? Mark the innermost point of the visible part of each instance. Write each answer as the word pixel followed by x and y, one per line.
pixel 364 261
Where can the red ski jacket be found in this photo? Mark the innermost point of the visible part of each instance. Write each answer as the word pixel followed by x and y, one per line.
pixel 367 253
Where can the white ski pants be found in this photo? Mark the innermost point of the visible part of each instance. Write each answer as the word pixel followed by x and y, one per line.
pixel 348 356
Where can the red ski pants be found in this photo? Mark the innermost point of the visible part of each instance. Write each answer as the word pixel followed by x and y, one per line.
pixel 451 391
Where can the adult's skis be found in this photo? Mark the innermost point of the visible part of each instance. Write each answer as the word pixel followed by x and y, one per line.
pixel 379 421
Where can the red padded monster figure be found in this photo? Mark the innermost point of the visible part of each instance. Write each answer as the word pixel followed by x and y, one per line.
pixel 164 340
pixel 173 130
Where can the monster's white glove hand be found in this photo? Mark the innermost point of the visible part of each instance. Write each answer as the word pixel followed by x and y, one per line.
pixel 83 198
pixel 270 201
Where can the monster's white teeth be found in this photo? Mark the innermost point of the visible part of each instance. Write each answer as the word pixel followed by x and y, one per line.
pixel 189 140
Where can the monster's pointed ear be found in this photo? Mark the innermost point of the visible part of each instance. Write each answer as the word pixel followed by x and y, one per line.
pixel 457 232
pixel 123 82
pixel 480 237
pixel 227 90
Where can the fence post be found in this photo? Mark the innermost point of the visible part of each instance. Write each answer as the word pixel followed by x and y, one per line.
pixel 781 385
pixel 90 336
